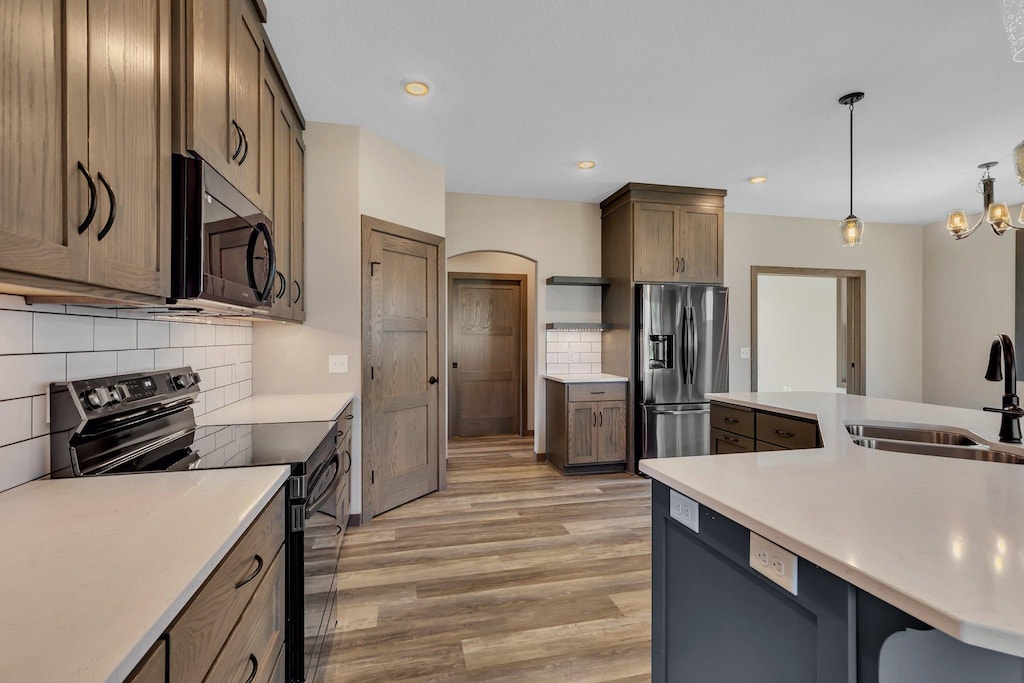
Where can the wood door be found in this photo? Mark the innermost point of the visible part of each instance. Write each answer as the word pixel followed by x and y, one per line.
pixel 581 430
pixel 486 353
pixel 246 62
pixel 44 197
pixel 130 143
pixel 610 441
pixel 402 410
pixel 654 230
pixel 209 132
pixel 699 245
pixel 298 247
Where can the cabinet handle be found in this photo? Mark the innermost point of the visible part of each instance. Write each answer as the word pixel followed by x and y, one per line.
pixel 731 420
pixel 682 264
pixel 787 435
pixel 349 465
pixel 113 208
pixel 238 149
pixel 600 422
pixel 253 575
pixel 245 140
pixel 596 393
pixel 676 260
pixel 298 291
pixel 284 284
pixel 730 439
pixel 255 667
pixel 594 415
pixel 92 199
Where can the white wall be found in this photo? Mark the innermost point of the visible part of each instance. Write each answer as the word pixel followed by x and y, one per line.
pixel 796 333
pixel 349 172
pixel 968 299
pixel 564 238
pixel 498 262
pixel 892 257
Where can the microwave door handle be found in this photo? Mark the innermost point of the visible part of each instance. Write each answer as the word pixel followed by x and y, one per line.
pixel 262 293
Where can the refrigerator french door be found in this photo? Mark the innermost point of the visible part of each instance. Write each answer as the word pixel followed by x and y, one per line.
pixel 682 356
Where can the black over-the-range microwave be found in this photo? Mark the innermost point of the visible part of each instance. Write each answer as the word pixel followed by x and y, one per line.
pixel 222 248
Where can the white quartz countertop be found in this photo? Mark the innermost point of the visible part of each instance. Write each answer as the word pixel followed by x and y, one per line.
pixel 940 538
pixel 269 408
pixel 94 569
pixel 586 379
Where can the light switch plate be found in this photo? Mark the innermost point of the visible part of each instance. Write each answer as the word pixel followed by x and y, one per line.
pixel 773 562
pixel 337 365
pixel 684 510
pixel 744 352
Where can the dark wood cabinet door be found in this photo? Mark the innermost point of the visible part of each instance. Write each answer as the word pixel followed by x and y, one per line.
pixel 699 245
pixel 130 143
pixel 43 137
pixel 246 63
pixel 276 146
pixel 298 248
pixel 582 428
pixel 209 132
pixel 611 431
pixel 654 231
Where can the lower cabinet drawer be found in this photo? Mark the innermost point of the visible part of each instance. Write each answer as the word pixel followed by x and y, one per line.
pixel 251 652
pixel 198 634
pixel 787 432
pixel 765 446
pixel 723 442
pixel 732 419
pixel 598 391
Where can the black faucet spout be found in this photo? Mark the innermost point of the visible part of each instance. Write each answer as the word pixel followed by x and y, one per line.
pixel 1002 365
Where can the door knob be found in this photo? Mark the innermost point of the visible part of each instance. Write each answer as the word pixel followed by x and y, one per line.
pixel 432 380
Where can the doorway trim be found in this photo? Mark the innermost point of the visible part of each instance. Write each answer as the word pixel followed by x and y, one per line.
pixel 856 322
pixel 368 225
pixel 524 324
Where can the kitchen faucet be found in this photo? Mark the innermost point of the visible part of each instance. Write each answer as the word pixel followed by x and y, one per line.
pixel 1002 349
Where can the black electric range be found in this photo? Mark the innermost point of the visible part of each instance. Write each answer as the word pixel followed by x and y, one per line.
pixel 143 422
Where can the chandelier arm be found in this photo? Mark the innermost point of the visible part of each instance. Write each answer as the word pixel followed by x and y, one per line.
pixel 970 231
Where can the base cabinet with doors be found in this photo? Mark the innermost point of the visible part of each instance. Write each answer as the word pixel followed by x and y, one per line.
pixel 233 627
pixel 738 429
pixel 87 144
pixel 586 426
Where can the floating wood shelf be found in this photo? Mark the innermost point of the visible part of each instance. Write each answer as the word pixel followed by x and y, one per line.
pixel 583 327
pixel 578 281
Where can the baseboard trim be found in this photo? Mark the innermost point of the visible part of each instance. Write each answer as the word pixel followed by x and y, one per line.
pixel 541 457
pixel 529 432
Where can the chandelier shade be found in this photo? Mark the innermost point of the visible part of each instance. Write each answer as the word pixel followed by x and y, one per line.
pixel 1013 19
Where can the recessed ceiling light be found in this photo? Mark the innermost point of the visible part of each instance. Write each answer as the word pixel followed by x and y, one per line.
pixel 757 180
pixel 585 165
pixel 416 88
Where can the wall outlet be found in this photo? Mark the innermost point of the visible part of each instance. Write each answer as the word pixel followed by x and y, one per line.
pixel 744 352
pixel 774 562
pixel 684 510
pixel 337 365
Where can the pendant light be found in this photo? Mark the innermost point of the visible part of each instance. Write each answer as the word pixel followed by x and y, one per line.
pixel 852 228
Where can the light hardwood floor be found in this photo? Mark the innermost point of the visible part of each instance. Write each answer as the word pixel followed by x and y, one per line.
pixel 514 573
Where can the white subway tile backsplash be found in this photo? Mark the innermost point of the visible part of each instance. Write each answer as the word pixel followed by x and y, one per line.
pixel 15 420
pixel 590 336
pixel 580 368
pixel 40 344
pixel 596 368
pixel 24 461
pixel 595 347
pixel 552 357
pixel 52 332
pixel 590 357
pixel 579 347
pixel 115 334
pixel 165 359
pixel 558 347
pixel 135 361
pixel 17 332
pixel 92 364
pixel 556 368
pixel 183 334
pixel 568 336
pixel 551 335
pixel 154 334
pixel 31 374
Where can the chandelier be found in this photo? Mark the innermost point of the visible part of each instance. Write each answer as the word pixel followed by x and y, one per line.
pixel 1013 19
pixel 996 214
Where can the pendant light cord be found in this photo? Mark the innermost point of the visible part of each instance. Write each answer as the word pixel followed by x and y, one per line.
pixel 851 158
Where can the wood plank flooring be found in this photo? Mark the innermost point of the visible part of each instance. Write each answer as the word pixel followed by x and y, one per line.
pixel 515 573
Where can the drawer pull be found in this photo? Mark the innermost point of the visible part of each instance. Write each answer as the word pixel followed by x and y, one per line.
pixel 731 420
pixel 730 439
pixel 596 393
pixel 255 667
pixel 786 435
pixel 254 574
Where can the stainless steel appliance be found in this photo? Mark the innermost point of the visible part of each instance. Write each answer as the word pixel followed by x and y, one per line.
pixel 682 355
pixel 222 246
pixel 143 422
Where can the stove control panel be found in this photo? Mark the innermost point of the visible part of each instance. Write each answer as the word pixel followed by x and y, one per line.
pixel 117 393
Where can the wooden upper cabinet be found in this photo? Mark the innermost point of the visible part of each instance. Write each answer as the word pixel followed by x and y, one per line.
pixel 282 174
pixel 298 247
pixel 699 244
pixel 130 143
pixel 654 230
pixel 224 87
pixel 44 197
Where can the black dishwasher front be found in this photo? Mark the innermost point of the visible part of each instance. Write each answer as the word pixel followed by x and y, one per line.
pixel 717 619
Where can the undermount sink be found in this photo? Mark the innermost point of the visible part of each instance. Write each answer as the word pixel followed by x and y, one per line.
pixel 915 434
pixel 926 441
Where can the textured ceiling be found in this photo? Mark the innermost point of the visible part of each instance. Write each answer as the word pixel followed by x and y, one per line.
pixel 687 92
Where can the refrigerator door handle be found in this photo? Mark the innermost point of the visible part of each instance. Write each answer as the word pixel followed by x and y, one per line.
pixel 693 346
pixel 686 348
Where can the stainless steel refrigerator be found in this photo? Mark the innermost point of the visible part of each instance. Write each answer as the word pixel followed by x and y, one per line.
pixel 682 354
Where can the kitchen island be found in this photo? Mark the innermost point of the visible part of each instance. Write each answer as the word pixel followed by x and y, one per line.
pixel 938 542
